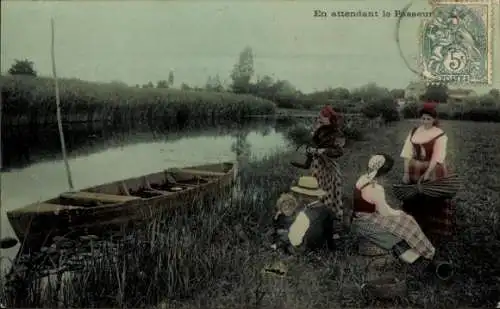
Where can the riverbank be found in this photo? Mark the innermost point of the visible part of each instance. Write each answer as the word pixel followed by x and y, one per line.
pixel 214 266
pixel 320 280
pixel 31 100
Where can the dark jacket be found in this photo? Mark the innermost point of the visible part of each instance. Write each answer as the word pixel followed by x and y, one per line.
pixel 320 230
pixel 326 137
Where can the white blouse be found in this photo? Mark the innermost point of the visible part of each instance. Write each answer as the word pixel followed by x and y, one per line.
pixel 422 136
pixel 375 194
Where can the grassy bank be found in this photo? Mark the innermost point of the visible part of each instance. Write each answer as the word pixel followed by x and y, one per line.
pixel 32 100
pixel 204 261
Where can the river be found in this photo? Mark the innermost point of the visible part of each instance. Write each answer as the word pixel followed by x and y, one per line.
pixel 37 172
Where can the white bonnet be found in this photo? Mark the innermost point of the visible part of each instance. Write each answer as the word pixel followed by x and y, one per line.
pixel 374 164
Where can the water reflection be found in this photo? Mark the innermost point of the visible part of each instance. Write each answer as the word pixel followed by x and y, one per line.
pixel 101 156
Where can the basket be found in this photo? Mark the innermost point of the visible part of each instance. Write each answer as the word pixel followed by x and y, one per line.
pixel 386 288
pixel 367 248
pixel 446 187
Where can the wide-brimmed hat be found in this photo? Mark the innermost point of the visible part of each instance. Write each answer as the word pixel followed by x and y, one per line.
pixel 308 185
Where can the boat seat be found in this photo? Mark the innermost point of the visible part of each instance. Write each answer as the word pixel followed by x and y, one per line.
pixel 159 191
pixel 199 172
pixel 46 207
pixel 100 197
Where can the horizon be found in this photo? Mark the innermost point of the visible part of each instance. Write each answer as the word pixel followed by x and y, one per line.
pixel 352 52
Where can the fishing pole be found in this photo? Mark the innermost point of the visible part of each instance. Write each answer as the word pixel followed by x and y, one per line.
pixel 58 107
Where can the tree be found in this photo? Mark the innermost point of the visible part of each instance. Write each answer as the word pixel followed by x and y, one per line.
pixel 284 88
pixel 185 87
pixel 214 84
pixel 436 93
pixel 162 84
pixel 398 93
pixel 369 92
pixel 118 83
pixel 339 93
pixel 170 79
pixel 495 93
pixel 23 67
pixel 487 100
pixel 243 71
pixel 148 85
pixel 263 87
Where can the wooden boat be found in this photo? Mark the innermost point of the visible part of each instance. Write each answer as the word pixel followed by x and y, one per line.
pixel 119 203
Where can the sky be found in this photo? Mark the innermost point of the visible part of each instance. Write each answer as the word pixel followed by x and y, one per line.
pixel 140 41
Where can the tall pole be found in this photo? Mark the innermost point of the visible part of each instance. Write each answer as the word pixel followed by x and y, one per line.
pixel 58 106
pixel 1 156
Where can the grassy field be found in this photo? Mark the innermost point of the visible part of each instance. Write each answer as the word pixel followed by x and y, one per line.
pixel 31 100
pixel 214 258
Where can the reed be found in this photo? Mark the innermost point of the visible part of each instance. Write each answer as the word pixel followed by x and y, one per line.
pixel 30 100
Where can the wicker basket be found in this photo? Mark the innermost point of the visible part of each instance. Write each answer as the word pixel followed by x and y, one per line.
pixel 386 288
pixel 367 248
pixel 446 187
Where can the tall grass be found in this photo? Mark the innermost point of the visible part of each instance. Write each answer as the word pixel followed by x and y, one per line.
pixel 203 260
pixel 177 257
pixel 31 100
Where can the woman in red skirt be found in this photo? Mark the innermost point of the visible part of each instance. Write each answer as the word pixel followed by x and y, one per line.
pixel 424 154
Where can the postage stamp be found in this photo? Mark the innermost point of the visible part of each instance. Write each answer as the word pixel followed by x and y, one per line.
pixel 456 43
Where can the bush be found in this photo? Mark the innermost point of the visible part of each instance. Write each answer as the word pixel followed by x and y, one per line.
pixel 481 109
pixel 33 99
pixel 410 110
pixel 298 135
pixel 384 107
pixel 352 133
pixel 346 107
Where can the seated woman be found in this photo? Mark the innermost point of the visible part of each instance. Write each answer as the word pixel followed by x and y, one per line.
pixel 388 228
pixel 424 154
pixel 302 221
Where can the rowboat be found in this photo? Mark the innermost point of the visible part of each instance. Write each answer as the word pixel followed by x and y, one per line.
pixel 120 203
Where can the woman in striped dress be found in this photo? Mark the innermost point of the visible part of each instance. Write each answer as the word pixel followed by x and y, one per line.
pixel 424 154
pixel 386 227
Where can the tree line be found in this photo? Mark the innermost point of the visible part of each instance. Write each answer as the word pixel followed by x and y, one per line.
pixel 281 91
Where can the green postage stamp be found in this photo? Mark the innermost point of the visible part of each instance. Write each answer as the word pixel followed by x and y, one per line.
pixel 456 43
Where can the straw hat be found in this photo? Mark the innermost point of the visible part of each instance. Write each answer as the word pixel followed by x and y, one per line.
pixel 308 185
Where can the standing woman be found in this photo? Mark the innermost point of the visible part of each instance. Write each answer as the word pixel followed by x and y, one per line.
pixel 424 154
pixel 322 160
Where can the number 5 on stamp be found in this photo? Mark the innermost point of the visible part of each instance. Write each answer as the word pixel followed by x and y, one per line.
pixel 456 43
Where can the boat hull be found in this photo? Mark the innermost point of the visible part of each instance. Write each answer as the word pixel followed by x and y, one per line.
pixel 36 225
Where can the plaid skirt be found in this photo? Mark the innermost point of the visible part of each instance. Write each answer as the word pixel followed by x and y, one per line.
pixel 388 231
pixel 434 215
